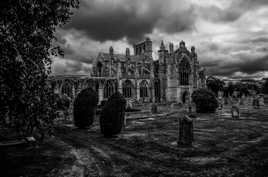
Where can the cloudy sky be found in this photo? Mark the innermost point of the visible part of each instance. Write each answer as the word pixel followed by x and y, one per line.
pixel 231 36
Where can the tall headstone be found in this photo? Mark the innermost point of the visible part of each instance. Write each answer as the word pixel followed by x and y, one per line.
pixel 154 108
pixel 186 135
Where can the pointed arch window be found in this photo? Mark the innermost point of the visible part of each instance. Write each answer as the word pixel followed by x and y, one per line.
pixel 144 89
pixel 109 89
pixel 184 72
pixel 127 89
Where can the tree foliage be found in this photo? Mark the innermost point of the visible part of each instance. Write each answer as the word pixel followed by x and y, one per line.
pixel 205 101
pixel 85 105
pixel 113 115
pixel 215 84
pixel 265 87
pixel 27 31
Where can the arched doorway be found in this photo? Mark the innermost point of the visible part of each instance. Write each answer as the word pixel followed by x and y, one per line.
pixel 184 71
pixel 185 97
pixel 128 89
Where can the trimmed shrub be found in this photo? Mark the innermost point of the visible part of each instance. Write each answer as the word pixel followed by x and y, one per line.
pixel 84 110
pixel 205 101
pixel 113 115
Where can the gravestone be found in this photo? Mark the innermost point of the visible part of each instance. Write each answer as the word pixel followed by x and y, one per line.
pixel 261 100
pixel 129 105
pixel 225 100
pixel 242 100
pixel 185 131
pixel 154 108
pixel 235 112
pixel 256 103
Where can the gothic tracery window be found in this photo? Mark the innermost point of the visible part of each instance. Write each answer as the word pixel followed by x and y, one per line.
pixel 184 72
pixel 144 89
pixel 67 89
pixel 109 89
pixel 127 89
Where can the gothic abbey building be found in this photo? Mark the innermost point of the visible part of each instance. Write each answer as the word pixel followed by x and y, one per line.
pixel 171 78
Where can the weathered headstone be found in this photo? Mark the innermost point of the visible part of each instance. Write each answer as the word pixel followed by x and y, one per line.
pixel 256 103
pixel 154 108
pixel 235 112
pixel 225 100
pixel 186 136
pixel 129 104
pixel 261 100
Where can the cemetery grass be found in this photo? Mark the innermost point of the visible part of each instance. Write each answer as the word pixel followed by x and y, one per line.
pixel 148 147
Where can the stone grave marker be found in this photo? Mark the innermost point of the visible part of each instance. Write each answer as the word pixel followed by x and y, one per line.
pixel 235 112
pixel 185 131
pixel 154 108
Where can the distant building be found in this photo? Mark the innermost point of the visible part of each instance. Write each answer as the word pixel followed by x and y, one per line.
pixel 173 77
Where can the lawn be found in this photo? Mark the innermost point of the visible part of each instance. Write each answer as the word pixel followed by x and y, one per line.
pixel 148 147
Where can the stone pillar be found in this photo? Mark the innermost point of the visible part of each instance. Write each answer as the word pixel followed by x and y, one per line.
pixel 120 86
pixel 179 95
pixel 152 92
pixel 138 91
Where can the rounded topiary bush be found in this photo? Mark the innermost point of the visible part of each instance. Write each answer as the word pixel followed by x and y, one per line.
pixel 113 115
pixel 84 109
pixel 205 101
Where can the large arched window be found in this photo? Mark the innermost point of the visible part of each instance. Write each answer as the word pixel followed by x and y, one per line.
pixel 127 89
pixel 144 89
pixel 109 89
pixel 184 72
pixel 67 89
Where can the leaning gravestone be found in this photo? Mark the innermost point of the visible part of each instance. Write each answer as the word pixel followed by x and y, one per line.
pixel 185 131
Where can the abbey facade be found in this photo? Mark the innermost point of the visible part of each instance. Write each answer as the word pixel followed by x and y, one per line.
pixel 171 78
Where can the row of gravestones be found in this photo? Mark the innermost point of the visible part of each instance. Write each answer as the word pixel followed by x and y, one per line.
pixel 112 114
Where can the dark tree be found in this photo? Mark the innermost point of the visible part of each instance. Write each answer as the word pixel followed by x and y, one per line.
pixel 85 106
pixel 27 30
pixel 265 87
pixel 215 84
pixel 113 115
pixel 205 101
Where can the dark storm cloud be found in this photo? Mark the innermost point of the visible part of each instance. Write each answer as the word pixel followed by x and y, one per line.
pixel 244 65
pixel 103 20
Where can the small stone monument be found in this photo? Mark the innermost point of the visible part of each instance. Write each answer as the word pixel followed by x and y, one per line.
pixel 261 100
pixel 225 100
pixel 235 107
pixel 256 102
pixel 129 104
pixel 242 99
pixel 235 112
pixel 154 108
pixel 185 131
